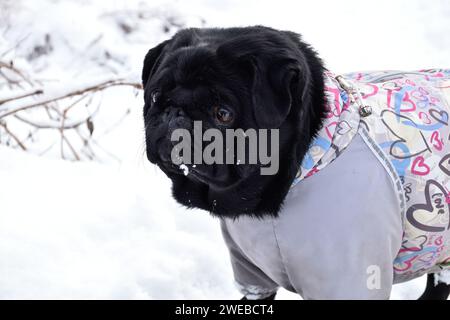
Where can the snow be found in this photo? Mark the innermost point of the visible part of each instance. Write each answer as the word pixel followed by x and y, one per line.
pixel 442 277
pixel 109 229
pixel 253 292
pixel 86 230
pixel 185 169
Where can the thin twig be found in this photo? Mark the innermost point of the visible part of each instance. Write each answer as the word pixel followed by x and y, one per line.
pixel 97 87
pixel 50 116
pixel 48 125
pixel 15 46
pixel 10 81
pixel 57 114
pixel 86 145
pixel 106 151
pixel 114 125
pixel 71 148
pixel 61 130
pixel 39 91
pixel 12 135
pixel 48 148
pixel 11 67
pixel 55 124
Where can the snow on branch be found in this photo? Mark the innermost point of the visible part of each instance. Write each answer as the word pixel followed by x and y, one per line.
pixel 30 107
pixel 90 89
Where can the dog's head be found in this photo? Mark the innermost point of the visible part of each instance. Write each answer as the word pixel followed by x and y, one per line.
pixel 239 78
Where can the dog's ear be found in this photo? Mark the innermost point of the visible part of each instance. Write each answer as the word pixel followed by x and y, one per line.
pixel 276 85
pixel 276 69
pixel 151 61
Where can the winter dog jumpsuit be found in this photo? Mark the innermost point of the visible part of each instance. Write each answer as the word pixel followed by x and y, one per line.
pixel 370 205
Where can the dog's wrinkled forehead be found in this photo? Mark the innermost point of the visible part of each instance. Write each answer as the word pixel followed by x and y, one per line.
pixel 188 59
pixel 192 64
pixel 188 73
pixel 190 79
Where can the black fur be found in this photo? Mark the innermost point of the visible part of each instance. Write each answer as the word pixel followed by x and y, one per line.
pixel 440 291
pixel 271 79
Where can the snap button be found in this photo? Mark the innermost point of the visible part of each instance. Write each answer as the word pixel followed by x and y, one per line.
pixel 365 111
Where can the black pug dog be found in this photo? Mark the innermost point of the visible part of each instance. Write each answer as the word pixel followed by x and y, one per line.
pixel 253 77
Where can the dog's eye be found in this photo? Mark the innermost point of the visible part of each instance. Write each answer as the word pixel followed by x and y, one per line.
pixel 223 115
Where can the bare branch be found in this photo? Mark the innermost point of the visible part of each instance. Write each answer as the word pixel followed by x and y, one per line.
pixel 97 87
pixel 12 135
pixel 39 91
pixel 15 46
pixel 50 125
pixel 56 108
pixel 114 125
pixel 10 66
pixel 75 154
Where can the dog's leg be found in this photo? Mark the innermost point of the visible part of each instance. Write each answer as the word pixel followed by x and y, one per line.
pixel 435 290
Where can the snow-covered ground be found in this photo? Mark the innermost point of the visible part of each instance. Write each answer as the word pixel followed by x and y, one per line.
pixel 109 228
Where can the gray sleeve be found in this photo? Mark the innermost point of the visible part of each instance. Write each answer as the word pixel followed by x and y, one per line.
pixel 251 281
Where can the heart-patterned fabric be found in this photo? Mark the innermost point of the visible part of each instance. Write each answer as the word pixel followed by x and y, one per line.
pixel 408 131
pixel 339 128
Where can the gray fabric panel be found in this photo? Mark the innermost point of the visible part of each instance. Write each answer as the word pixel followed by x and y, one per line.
pixel 333 227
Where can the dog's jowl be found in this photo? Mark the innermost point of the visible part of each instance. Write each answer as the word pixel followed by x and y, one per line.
pixel 359 196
